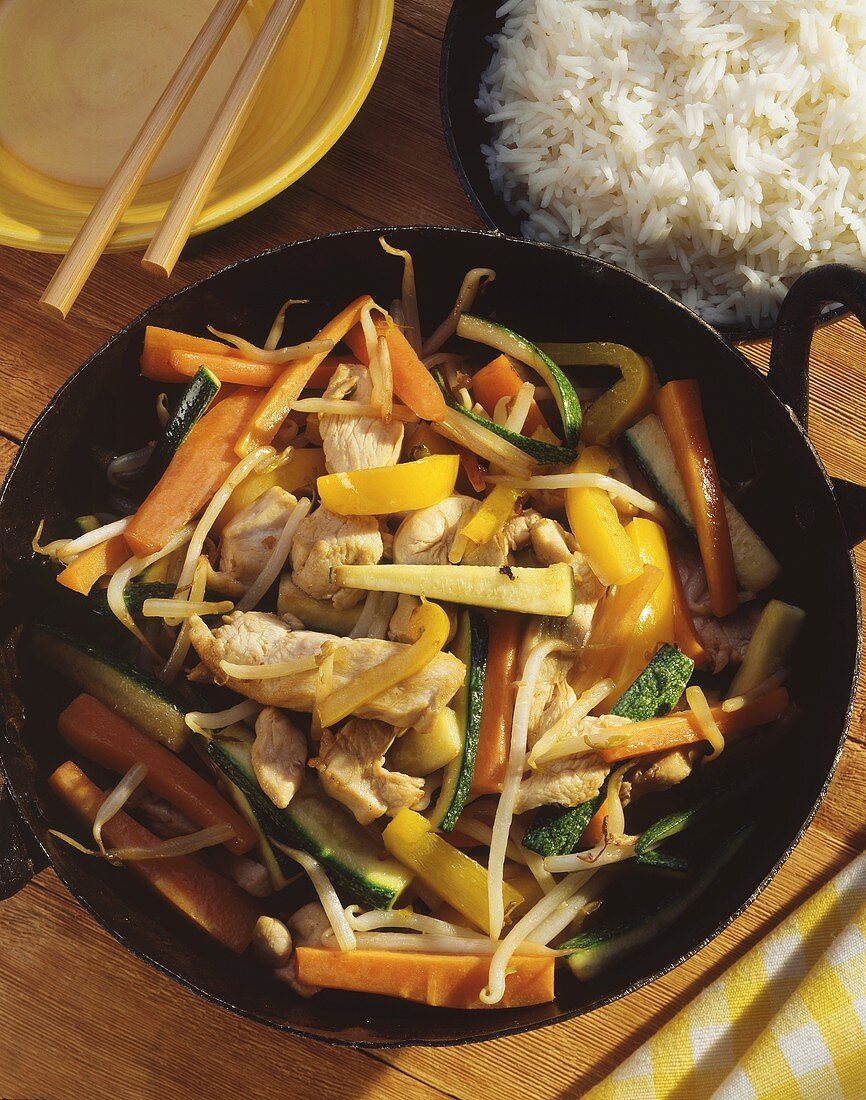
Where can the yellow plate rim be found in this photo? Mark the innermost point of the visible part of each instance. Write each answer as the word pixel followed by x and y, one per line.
pixel 255 194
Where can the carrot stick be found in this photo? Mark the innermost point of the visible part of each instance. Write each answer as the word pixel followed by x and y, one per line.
pixel 159 343
pixel 679 407
pixel 107 739
pixel 445 981
pixel 505 632
pixel 228 368
pixel 500 379
pixel 685 634
pixel 276 404
pixel 413 382
pixel 82 574
pixel 199 466
pixel 681 728
pixel 207 899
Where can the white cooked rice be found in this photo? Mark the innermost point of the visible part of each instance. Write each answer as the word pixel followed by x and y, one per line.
pixel 715 147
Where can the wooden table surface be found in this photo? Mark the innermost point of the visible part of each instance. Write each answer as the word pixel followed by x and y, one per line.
pixel 79 1016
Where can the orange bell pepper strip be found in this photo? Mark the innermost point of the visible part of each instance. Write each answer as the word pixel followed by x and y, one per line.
pixel 685 633
pixel 444 981
pixel 159 343
pixel 500 379
pixel 596 525
pixel 107 739
pixel 207 899
pixel 679 406
pixel 199 466
pixel 276 405
pixel 681 728
pixel 90 565
pixel 505 633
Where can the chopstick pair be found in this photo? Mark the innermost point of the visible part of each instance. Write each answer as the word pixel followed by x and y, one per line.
pixel 187 203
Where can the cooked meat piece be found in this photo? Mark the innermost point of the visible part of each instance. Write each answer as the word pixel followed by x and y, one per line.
pixel 248 538
pixel 560 699
pixel 550 543
pixel 565 782
pixel 306 927
pixel 658 774
pixel 256 638
pixel 272 941
pixel 279 756
pixel 159 815
pixel 357 442
pixel 250 875
pixel 398 627
pixel 725 640
pixel 324 540
pixel 425 537
pixel 351 767
pixel 224 583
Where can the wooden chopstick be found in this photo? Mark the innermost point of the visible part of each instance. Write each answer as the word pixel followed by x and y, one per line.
pixel 185 207
pixel 94 235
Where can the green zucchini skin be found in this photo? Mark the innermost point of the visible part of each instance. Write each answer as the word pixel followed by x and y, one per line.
pixel 524 351
pixel 281 869
pixel 194 403
pixel 134 595
pixel 470 645
pixel 135 696
pixel 556 831
pixel 658 688
pixel 592 951
pixel 319 826
pixel 545 454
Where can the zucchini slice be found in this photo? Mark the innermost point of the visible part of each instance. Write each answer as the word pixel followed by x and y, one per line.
pixel 556 831
pixel 281 869
pixel 755 565
pixel 139 698
pixel 471 327
pixel 134 595
pixel 592 951
pixel 422 753
pixel 470 645
pixel 777 630
pixel 195 399
pixel 533 591
pixel 658 688
pixel 544 453
pixel 350 854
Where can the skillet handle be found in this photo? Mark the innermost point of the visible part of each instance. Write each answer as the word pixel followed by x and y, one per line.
pixel 20 856
pixel 789 360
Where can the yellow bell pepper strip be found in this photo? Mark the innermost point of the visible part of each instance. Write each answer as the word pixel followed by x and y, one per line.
pixel 678 405
pixel 424 441
pixel 613 625
pixel 433 627
pixel 302 469
pixel 383 490
pixel 491 517
pixel 499 379
pixel 276 405
pixel 655 624
pixel 445 870
pixel 595 523
pixel 625 402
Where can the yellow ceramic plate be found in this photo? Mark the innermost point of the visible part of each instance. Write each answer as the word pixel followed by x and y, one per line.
pixel 313 91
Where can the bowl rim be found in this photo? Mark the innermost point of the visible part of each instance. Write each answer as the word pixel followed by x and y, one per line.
pixel 518 1027
pixel 733 333
pixel 252 195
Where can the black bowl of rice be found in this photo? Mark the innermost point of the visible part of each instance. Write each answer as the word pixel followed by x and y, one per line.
pixel 716 148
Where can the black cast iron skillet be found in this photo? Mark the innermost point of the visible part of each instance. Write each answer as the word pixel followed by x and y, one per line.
pixel 756 427
pixel 466 53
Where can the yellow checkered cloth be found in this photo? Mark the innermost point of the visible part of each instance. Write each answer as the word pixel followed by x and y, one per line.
pixel 786 1022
